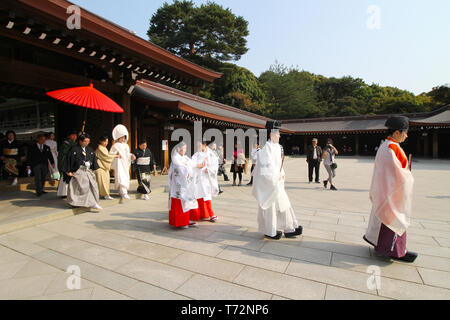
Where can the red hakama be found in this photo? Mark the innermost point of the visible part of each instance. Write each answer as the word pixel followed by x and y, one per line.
pixel 205 209
pixel 177 217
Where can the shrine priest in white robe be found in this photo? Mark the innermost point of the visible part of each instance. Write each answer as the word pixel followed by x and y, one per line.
pixel 275 213
pixel 121 166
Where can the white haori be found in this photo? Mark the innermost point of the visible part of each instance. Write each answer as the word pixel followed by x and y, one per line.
pixel 83 189
pixel 390 193
pixel 275 211
pixel 181 178
pixel 205 179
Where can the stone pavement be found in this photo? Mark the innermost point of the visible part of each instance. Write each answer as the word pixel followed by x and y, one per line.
pixel 128 251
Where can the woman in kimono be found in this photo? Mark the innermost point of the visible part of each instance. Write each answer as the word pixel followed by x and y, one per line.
pixel 121 165
pixel 104 160
pixel 79 168
pixel 275 212
pixel 205 182
pixel 181 191
pixel 143 166
pixel 391 195
pixel 51 143
pixel 11 155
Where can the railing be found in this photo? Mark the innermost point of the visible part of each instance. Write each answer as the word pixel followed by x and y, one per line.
pixel 30 123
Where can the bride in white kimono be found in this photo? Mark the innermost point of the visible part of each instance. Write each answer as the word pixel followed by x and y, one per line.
pixel 181 190
pixel 275 212
pixel 205 182
pixel 121 166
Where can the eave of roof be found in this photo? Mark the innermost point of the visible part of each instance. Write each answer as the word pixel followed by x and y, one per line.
pixel 200 106
pixel 111 32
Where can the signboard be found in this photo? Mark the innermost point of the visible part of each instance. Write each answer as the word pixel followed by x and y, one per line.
pixel 165 145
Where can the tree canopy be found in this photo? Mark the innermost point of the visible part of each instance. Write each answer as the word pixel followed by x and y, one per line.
pixel 206 32
pixel 212 36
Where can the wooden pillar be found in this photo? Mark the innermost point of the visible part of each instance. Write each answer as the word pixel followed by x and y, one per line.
pixel 305 145
pixel 357 144
pixel 165 169
pixel 426 146
pixel 435 145
pixel 125 103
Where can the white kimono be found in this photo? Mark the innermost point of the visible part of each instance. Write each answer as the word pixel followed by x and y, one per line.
pixel 205 179
pixel 181 178
pixel 275 212
pixel 121 166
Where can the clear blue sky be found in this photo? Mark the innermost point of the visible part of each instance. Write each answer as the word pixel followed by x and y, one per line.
pixel 410 50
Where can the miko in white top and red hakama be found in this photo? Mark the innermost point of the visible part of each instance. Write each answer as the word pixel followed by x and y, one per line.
pixel 205 182
pixel 275 212
pixel 391 195
pixel 181 188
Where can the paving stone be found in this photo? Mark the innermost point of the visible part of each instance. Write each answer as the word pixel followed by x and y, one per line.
pixel 330 275
pixel 235 240
pixel 201 287
pixel 145 291
pixel 67 229
pixel 435 278
pixel 404 290
pixel 443 242
pixel 133 246
pixel 213 267
pixel 158 274
pixel 297 252
pixel 337 247
pixel 18 244
pixel 280 284
pixel 337 293
pixel 255 259
pixel 82 294
pixel 101 293
pixel 24 287
pixel 35 268
pixel 34 234
pixel 387 268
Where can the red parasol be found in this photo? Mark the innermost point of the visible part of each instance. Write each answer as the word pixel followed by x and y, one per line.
pixel 87 97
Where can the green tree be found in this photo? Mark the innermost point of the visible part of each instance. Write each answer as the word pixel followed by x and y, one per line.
pixel 203 34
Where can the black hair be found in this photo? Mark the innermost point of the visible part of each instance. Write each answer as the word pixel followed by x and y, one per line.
pixel 390 132
pixel 49 134
pixel 142 141
pixel 42 134
pixel 329 139
pixel 103 138
pixel 10 131
pixel 83 136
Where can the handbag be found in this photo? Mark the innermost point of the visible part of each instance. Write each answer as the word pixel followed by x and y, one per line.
pixel 333 166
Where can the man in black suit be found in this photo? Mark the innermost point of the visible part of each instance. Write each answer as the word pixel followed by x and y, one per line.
pixel 39 155
pixel 313 157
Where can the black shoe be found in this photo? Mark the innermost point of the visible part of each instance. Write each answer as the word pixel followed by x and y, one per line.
pixel 333 188
pixel 226 179
pixel 365 239
pixel 220 191
pixel 44 192
pixel 298 231
pixel 317 181
pixel 409 257
pixel 250 183
pixel 325 183
pixel 277 237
